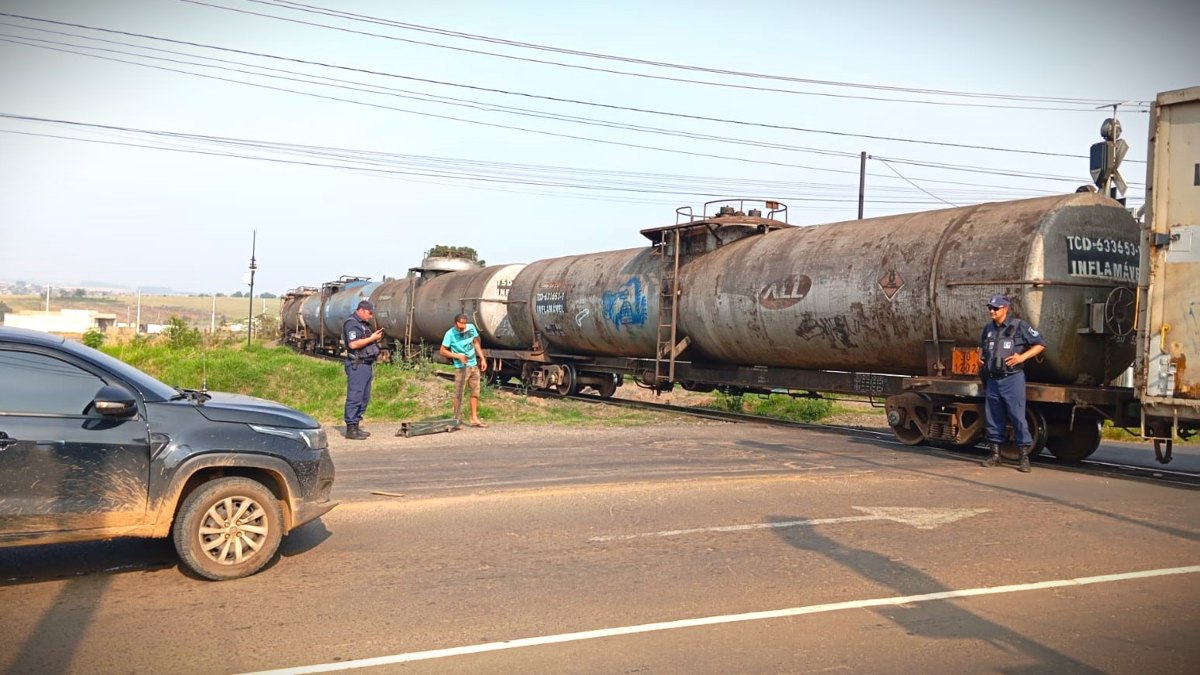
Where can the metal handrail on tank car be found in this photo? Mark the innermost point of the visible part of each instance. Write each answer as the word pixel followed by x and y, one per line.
pixel 773 207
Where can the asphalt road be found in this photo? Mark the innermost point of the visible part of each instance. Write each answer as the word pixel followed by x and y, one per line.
pixel 669 549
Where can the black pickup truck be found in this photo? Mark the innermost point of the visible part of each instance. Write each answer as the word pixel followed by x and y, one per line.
pixel 92 448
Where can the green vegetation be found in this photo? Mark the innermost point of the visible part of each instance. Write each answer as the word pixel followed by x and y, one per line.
pixel 401 392
pixel 179 335
pixel 93 338
pixel 779 406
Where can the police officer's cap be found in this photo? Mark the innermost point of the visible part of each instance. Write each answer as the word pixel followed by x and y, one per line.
pixel 998 301
pixel 367 306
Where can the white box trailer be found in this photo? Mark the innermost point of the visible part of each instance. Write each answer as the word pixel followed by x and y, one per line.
pixel 1167 369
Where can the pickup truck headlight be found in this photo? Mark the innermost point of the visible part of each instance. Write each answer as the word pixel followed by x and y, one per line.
pixel 315 439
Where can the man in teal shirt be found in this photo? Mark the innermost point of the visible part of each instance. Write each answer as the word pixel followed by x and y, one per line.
pixel 461 346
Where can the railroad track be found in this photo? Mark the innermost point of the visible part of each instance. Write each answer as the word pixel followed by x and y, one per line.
pixel 1154 474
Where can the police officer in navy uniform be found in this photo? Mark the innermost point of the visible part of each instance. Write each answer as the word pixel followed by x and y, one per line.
pixel 1006 344
pixel 362 349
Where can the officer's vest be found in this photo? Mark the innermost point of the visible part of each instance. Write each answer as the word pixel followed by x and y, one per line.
pixel 1001 344
pixel 368 353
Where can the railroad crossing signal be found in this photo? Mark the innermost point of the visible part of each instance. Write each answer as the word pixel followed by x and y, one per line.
pixel 1106 157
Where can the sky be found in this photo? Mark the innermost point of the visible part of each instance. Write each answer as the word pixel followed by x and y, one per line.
pixel 149 143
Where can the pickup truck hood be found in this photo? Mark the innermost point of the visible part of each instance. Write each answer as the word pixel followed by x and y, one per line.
pixel 223 407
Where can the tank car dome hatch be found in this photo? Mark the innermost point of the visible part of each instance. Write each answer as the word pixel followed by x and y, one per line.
pixel 727 223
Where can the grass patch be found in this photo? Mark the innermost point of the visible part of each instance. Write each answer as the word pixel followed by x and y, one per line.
pixel 400 392
pixel 779 406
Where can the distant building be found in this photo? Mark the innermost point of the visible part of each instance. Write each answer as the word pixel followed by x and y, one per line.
pixel 63 321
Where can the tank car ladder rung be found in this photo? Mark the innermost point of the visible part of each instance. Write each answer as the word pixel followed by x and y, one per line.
pixel 668 313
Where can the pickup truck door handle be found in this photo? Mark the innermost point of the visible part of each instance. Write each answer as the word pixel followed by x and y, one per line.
pixel 5 441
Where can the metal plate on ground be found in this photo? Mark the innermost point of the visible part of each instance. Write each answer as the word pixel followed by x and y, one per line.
pixel 410 429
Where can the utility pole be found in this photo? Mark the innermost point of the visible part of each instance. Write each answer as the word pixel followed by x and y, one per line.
pixel 862 181
pixel 253 266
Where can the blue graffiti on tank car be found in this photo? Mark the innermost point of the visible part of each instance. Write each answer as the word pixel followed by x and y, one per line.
pixel 627 306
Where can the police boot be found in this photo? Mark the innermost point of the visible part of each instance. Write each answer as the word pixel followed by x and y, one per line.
pixel 994 458
pixel 1024 467
pixel 354 433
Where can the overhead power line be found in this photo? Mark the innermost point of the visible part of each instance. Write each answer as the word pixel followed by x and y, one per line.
pixel 477 171
pixel 1069 179
pixel 525 94
pixel 1088 104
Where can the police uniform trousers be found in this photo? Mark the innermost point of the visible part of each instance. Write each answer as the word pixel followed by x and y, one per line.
pixel 1006 405
pixel 358 390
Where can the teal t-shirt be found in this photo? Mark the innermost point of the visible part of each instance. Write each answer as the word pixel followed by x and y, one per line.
pixel 462 343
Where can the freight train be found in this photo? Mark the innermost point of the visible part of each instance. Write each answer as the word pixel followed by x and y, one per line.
pixel 734 298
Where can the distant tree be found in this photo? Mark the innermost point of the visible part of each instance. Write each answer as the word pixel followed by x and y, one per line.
pixel 21 288
pixel 237 294
pixel 268 296
pixel 220 295
pixel 4 308
pixel 79 293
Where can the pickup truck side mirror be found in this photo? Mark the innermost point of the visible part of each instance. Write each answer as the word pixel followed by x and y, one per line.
pixel 114 401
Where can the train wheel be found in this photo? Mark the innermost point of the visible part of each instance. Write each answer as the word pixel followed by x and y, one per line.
pixel 1079 443
pixel 566 386
pixel 608 387
pixel 1038 429
pixel 903 411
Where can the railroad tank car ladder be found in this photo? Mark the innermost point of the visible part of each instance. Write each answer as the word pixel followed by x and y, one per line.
pixel 668 310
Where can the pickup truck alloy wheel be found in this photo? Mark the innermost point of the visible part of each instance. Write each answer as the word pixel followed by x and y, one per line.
pixel 228 528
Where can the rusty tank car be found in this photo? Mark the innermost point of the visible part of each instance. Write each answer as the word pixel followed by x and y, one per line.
pixel 291 328
pixel 875 295
pixel 315 325
pixel 481 294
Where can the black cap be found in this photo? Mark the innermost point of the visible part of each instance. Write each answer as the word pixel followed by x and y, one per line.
pixel 366 304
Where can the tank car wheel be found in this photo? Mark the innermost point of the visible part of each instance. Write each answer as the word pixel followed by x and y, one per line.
pixel 567 386
pixel 608 387
pixel 1079 443
pixel 1035 419
pixel 900 411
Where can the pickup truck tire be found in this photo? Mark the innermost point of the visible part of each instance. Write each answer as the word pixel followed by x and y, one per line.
pixel 228 528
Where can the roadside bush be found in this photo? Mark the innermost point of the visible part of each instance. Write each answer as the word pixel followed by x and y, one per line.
pixel 181 336
pixel 789 408
pixel 93 338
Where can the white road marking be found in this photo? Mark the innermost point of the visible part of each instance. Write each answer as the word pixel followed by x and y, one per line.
pixel 922 519
pixel 728 618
